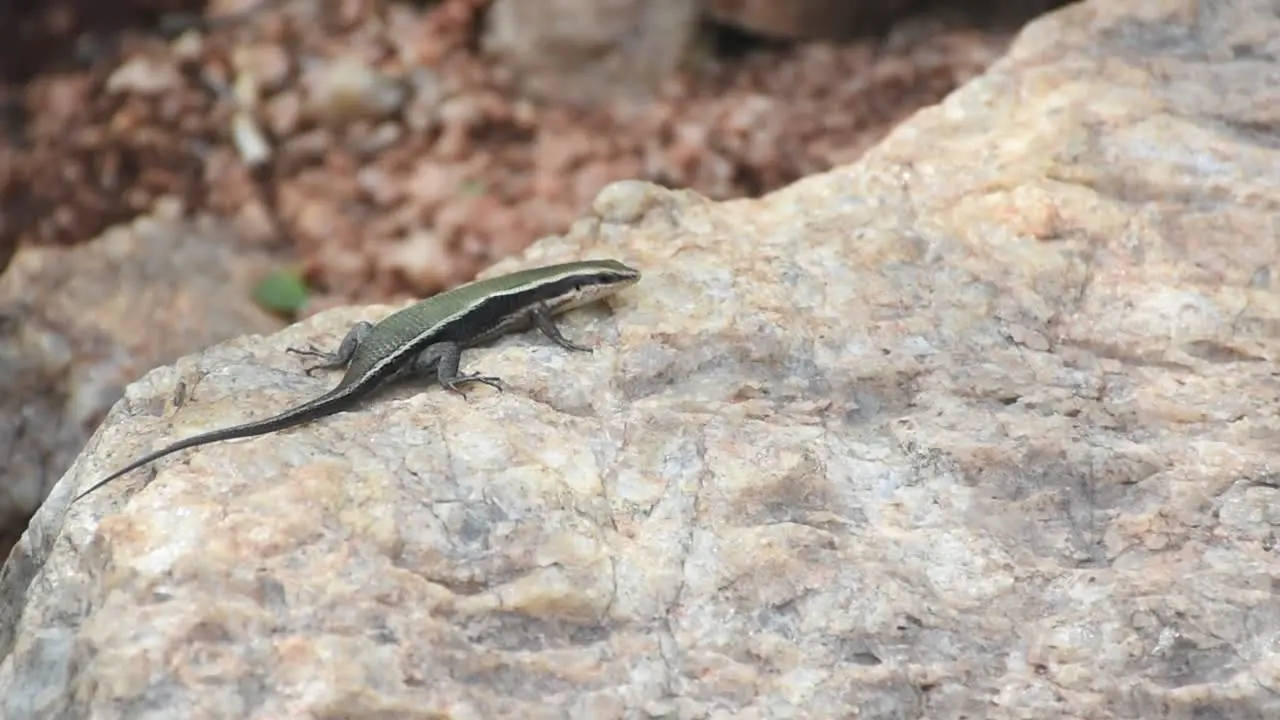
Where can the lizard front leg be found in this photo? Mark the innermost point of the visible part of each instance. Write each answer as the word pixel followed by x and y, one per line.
pixel 346 349
pixel 444 358
pixel 542 319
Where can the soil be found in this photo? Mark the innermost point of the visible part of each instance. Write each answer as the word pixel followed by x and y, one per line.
pixel 387 178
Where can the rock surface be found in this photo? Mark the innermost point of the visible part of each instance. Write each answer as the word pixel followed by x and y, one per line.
pixel 79 324
pixel 982 426
pixel 586 51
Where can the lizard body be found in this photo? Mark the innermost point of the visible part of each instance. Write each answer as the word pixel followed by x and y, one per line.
pixel 430 335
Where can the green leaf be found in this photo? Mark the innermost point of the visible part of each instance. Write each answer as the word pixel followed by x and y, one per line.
pixel 283 291
pixel 473 187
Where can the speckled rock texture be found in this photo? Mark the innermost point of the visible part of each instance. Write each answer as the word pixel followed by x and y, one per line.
pixel 78 324
pixel 983 426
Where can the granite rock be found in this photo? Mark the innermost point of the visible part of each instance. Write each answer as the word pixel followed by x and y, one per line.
pixel 79 324
pixel 981 426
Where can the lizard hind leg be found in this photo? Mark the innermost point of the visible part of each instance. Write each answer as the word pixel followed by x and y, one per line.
pixel 339 358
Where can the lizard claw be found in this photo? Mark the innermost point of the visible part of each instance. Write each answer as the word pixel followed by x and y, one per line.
pixel 456 383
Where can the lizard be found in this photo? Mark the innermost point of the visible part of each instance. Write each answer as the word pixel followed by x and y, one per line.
pixel 430 335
